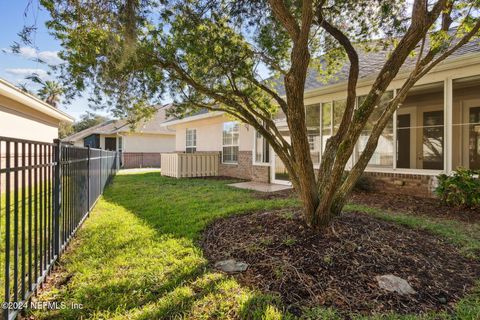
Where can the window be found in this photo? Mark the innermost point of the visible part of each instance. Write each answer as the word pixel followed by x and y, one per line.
pixel 338 111
pixel 383 155
pixel 230 142
pixel 262 152
pixel 191 141
pixel 466 123
pixel 330 124
pixel 312 115
pixel 326 123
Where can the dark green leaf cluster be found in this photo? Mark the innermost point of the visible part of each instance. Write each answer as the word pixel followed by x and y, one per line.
pixel 461 189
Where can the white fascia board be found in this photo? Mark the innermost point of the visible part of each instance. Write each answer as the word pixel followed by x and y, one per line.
pixel 192 118
pixel 10 91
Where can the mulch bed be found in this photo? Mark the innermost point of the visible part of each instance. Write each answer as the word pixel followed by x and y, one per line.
pixel 397 203
pixel 416 205
pixel 337 267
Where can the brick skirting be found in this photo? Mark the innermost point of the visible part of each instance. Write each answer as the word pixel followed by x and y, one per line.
pixel 402 183
pixel 141 160
pixel 244 169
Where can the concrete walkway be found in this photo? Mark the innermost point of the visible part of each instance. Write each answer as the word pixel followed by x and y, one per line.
pixel 138 170
pixel 260 186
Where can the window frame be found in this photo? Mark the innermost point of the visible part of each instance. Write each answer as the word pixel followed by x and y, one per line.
pixel 190 145
pixel 232 133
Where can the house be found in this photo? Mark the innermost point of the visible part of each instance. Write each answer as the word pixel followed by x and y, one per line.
pixel 436 129
pixel 27 118
pixel 140 147
pixel 24 116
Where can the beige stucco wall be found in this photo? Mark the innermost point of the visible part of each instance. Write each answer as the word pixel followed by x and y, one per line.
pixel 78 143
pixel 210 133
pixel 148 143
pixel 19 121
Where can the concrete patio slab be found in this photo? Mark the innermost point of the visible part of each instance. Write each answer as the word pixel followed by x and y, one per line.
pixel 260 186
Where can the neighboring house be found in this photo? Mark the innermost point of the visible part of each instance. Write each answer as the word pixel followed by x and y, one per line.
pixel 436 129
pixel 140 147
pixel 24 116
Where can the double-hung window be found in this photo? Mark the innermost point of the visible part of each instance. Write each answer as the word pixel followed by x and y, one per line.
pixel 230 142
pixel 191 141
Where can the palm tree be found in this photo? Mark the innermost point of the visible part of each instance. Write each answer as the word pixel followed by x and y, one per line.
pixel 50 90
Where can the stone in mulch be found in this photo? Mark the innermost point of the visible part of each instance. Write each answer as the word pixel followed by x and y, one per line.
pixel 396 284
pixel 231 266
pixel 338 267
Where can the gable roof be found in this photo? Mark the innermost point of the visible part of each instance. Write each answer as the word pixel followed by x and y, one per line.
pixel 10 91
pixel 111 127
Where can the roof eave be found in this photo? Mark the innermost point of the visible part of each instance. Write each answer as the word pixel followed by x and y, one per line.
pixel 192 118
pixel 10 91
pixel 464 60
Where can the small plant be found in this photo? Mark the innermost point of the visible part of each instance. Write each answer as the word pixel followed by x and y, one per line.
pixel 461 189
pixel 289 241
pixel 288 215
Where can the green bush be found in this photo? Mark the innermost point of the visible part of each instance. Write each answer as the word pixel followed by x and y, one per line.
pixel 461 189
pixel 364 184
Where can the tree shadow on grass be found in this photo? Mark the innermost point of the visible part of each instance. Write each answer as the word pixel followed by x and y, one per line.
pixel 136 256
pixel 183 207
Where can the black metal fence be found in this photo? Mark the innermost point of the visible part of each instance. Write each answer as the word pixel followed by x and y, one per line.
pixel 46 191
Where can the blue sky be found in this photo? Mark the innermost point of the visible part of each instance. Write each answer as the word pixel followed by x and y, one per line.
pixel 15 68
pixel 14 14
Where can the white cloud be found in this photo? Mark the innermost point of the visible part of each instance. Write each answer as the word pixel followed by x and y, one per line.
pixel 28 52
pixel 23 72
pixel 50 57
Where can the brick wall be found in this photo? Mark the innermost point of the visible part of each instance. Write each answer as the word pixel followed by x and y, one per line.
pixel 244 169
pixel 401 183
pixel 141 160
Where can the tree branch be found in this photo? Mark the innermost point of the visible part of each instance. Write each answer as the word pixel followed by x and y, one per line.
pixel 284 16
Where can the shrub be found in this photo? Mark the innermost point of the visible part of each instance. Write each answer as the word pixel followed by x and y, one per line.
pixel 461 189
pixel 364 184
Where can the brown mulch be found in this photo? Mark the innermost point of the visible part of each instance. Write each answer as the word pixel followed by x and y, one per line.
pixel 396 203
pixel 337 268
pixel 416 205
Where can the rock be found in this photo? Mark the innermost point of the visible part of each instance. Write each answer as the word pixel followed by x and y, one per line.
pixel 231 266
pixel 396 284
pixel 442 300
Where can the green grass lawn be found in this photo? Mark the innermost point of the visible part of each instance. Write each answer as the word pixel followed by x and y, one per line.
pixel 136 257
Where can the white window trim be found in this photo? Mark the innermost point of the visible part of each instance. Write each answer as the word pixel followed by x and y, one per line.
pixel 231 145
pixel 186 141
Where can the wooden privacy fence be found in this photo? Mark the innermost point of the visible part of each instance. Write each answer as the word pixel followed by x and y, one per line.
pixel 181 165
pixel 46 192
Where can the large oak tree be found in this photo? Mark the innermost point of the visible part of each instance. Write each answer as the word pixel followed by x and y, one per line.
pixel 209 54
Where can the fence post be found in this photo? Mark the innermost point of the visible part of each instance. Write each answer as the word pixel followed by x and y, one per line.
pixel 101 172
pixel 57 196
pixel 88 179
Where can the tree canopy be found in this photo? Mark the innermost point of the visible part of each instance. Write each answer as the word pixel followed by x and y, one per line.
pixel 213 54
